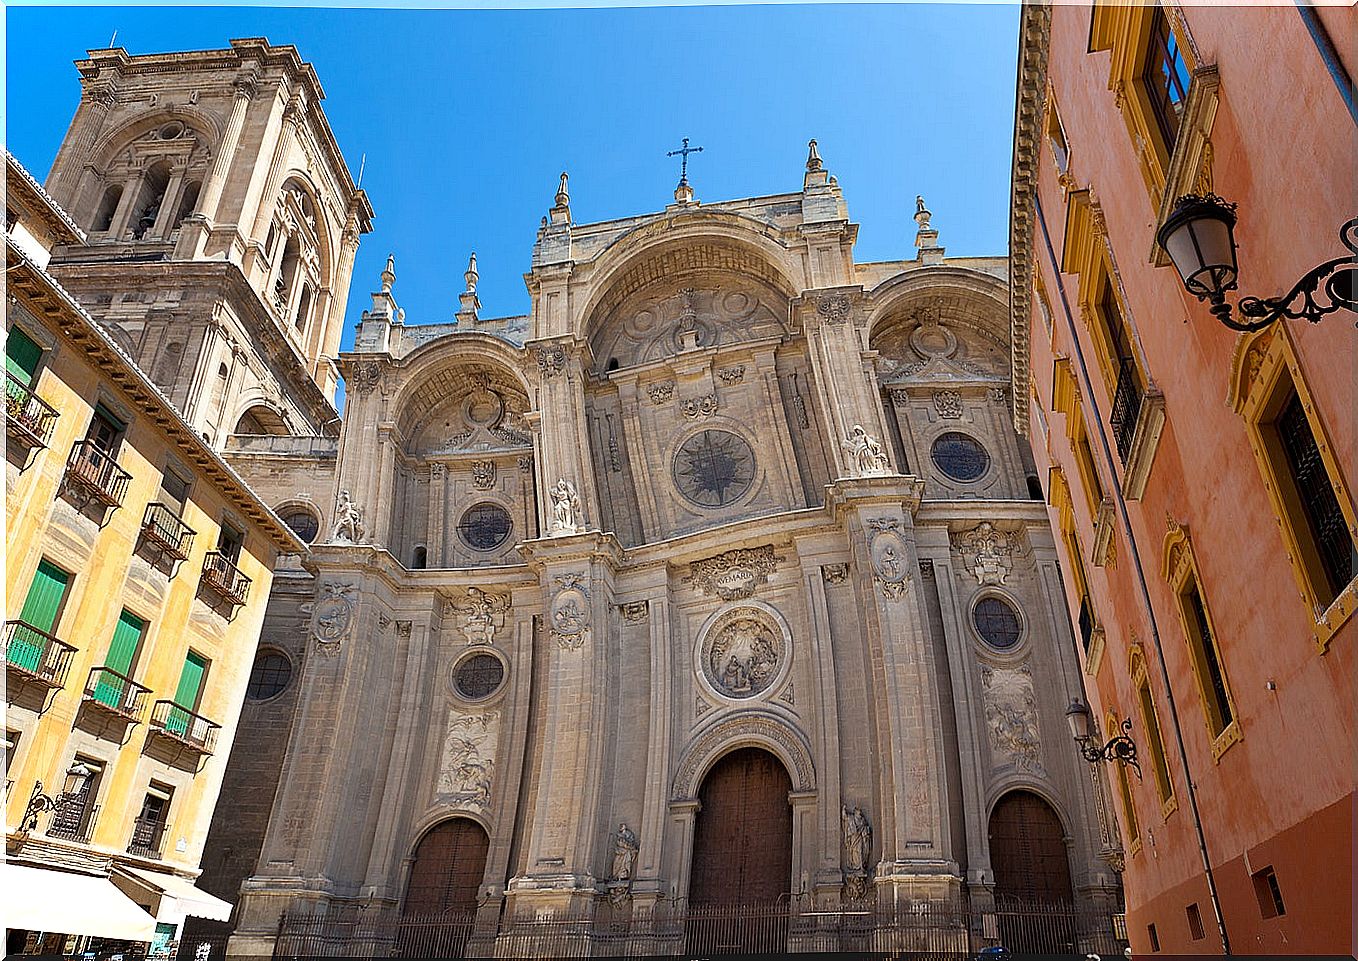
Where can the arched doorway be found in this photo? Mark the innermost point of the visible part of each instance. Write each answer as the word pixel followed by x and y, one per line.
pixel 742 856
pixel 1032 875
pixel 441 895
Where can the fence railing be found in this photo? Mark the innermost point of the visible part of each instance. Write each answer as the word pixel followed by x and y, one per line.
pixel 36 654
pixel 94 469
pixel 28 415
pixel 1126 407
pixel 951 928
pixel 184 726
pixel 163 527
pixel 74 821
pixel 147 837
pixel 223 577
pixel 116 693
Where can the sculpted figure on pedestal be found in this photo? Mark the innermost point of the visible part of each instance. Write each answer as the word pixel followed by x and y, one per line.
pixel 348 520
pixel 869 459
pixel 565 508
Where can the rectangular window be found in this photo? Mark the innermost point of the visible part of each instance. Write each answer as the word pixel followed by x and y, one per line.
pixel 1206 660
pixel 1195 930
pixel 1324 532
pixel 1128 806
pixel 148 830
pixel 1153 936
pixel 1166 78
pixel 122 655
pixel 174 490
pixel 229 542
pixel 22 354
pixel 190 687
pixel 73 820
pixel 1267 892
pixel 1056 136
pixel 106 431
pixel 11 745
pixel 1085 461
pixel 1155 744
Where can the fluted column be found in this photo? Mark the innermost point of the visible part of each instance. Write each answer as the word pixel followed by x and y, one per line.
pixel 72 167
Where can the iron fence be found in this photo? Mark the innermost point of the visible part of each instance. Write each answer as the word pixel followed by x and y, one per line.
pixel 916 929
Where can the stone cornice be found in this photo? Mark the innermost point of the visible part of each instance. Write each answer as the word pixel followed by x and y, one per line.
pixel 19 182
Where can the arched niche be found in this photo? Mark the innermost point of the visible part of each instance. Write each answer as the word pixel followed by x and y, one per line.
pixel 299 252
pixel 261 420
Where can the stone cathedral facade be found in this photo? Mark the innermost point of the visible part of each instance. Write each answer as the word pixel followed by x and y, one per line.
pixel 720 577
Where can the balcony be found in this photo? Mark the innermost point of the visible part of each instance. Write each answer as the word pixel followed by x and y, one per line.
pixel 29 419
pixel 1126 407
pixel 34 655
pixel 183 727
pixel 1137 420
pixel 147 838
pixel 109 692
pixel 74 821
pixel 93 471
pixel 162 529
pixel 222 578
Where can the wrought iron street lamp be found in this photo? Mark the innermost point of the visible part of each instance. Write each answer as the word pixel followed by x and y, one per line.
pixel 1199 238
pixel 77 776
pixel 1120 748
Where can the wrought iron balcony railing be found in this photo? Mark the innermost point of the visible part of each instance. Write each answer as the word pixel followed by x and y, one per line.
pixel 29 417
pixel 1126 407
pixel 36 655
pixel 182 725
pixel 116 693
pixel 222 576
pixel 147 838
pixel 94 470
pixel 162 527
pixel 74 821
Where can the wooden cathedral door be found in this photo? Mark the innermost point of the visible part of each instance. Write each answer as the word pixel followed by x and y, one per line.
pixel 742 843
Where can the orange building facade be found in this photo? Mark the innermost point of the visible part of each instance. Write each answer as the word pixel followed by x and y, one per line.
pixel 1200 481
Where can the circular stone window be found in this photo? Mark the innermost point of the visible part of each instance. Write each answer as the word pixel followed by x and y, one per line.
pixel 997 622
pixel 478 676
pixel 714 468
pixel 303 523
pixel 960 457
pixel 269 676
pixel 485 527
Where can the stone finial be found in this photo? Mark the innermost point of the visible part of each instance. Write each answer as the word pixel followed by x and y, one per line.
pixel 470 275
pixel 922 213
pixel 683 193
pixel 813 161
pixel 389 274
pixel 926 236
pixel 561 212
pixel 563 197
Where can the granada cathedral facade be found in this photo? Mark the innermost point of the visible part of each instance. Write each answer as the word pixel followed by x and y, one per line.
pixel 720 577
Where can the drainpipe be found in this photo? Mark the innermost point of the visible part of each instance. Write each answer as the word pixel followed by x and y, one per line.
pixel 1325 46
pixel 1140 576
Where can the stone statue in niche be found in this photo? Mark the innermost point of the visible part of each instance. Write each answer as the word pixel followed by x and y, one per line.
pixel 869 459
pixel 348 520
pixel 857 851
pixel 565 508
pixel 625 847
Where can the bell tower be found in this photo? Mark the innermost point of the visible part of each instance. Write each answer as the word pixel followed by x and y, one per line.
pixel 222 225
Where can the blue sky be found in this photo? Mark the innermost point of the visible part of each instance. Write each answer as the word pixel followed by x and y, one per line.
pixel 468 116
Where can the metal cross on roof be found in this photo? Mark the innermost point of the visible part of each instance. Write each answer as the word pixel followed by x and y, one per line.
pixel 685 150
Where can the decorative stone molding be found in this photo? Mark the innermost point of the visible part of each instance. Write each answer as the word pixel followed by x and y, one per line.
pixel 760 729
pixel 363 376
pixel 403 628
pixel 890 554
pixel 743 654
pixel 732 375
pixel 526 463
pixel 948 403
pixel 996 395
pixel 1150 423
pixel 789 695
pixel 987 553
pixel 835 573
pixel 570 612
pixel 636 612
pixel 480 616
pixel 551 359
pixel 483 475
pixel 333 616
pixel 734 574
pixel 661 393
pixel 1011 716
pixel 1102 553
pixel 467 765
pixel 834 308
pixel 696 407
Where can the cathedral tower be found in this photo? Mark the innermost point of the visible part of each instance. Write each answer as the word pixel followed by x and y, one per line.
pixel 222 224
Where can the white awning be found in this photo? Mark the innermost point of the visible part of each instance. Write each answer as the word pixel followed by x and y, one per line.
pixel 40 899
pixel 187 899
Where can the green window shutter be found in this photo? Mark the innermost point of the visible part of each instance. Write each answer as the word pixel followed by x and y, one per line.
pixel 21 356
pixel 126 637
pixel 186 695
pixel 40 610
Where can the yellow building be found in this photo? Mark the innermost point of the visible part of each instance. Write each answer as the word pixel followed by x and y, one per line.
pixel 138 566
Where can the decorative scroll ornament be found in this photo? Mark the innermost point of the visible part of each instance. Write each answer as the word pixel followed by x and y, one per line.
pixel 467 767
pixel 986 552
pixel 700 407
pixel 1011 716
pixel 480 617
pixel 570 612
pixel 483 474
pixel 857 851
pixel 869 460
pixel 742 656
pixel 948 403
pixel 636 612
pixel 565 508
pixel 735 574
pixel 661 393
pixel 333 616
pixel 890 557
pixel 996 395
pixel 625 848
pixel 348 520
pixel 732 375
pixel 834 308
pixel 364 376
pixel 835 573
pixel 551 360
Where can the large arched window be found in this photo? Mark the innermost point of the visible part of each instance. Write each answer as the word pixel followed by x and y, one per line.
pixel 150 197
pixel 108 206
pixel 188 200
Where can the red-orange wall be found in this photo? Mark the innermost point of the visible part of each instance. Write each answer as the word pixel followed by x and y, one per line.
pixel 1286 149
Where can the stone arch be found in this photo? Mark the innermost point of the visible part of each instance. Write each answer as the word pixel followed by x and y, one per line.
pixel 761 729
pixel 1030 850
pixel 429 374
pixel 106 147
pixel 962 298
pixel 447 866
pixel 261 418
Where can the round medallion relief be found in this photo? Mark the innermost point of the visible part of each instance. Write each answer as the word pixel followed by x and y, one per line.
pixel 743 655
pixel 714 468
